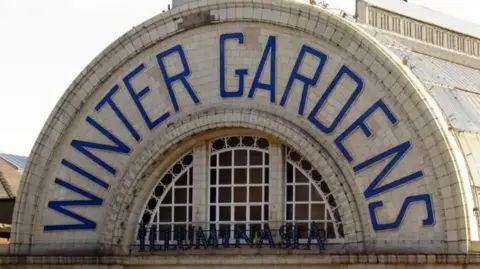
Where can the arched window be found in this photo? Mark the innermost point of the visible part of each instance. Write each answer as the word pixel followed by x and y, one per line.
pixel 308 199
pixel 170 205
pixel 238 189
pixel 233 190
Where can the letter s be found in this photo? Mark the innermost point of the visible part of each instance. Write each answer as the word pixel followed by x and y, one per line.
pixel 430 220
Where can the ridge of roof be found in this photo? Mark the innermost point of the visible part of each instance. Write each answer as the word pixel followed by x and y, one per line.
pixel 428 15
pixel 17 161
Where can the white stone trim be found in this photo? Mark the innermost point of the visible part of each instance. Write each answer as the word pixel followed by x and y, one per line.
pixel 401 85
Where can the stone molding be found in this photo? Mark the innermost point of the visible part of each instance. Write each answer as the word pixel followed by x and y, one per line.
pixel 246 259
pixel 405 89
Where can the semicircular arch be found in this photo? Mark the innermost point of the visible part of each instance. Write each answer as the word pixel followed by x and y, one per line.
pixel 348 46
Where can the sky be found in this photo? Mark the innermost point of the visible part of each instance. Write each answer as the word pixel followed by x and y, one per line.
pixel 46 44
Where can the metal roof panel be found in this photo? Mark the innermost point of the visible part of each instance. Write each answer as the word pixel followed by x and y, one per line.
pixel 427 15
pixel 18 161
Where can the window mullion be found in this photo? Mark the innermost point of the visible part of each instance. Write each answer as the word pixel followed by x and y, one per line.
pixel 200 186
pixel 276 187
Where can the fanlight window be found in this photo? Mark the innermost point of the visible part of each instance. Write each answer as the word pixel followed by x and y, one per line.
pixel 308 198
pixel 170 205
pixel 239 178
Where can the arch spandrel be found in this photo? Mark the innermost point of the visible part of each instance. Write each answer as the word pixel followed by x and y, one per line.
pixel 133 62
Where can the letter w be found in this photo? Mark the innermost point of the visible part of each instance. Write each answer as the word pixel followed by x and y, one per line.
pixel 83 146
pixel 59 206
pixel 398 152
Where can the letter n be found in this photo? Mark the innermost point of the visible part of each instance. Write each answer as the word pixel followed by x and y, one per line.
pixel 83 146
pixel 398 152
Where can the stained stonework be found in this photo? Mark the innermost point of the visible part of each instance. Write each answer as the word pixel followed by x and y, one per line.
pixel 365 102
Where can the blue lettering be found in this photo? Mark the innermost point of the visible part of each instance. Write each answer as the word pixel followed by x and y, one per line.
pixel 84 173
pixel 241 73
pixel 59 206
pixel 398 152
pixel 270 48
pixel 226 238
pixel 138 96
pixel 182 77
pixel 201 238
pixel 307 82
pixel 107 99
pixel 240 234
pixel 266 234
pixel 284 236
pixel 430 220
pixel 313 114
pixel 83 146
pixel 361 123
pixel 315 234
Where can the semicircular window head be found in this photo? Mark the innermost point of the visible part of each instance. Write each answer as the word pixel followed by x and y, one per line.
pixel 169 207
pixel 309 200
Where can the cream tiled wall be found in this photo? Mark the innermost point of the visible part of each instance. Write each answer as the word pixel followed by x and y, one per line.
pixel 294 25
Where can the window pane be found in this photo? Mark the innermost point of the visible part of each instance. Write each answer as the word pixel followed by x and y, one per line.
pixel 240 157
pixel 256 157
pixel 225 194
pixel 240 213
pixel 256 176
pixel 225 158
pixel 289 215
pixel 301 212
pixel 225 177
pixel 165 214
pixel 289 173
pixel 213 177
pixel 224 213
pixel 302 230
pixel 213 160
pixel 213 195
pixel 255 213
pixel 301 193
pixel 180 214
pixel 255 194
pixel 182 181
pixel 213 213
pixel 315 194
pixel 240 194
pixel 180 196
pixel 318 211
pixel 300 177
pixel 168 198
pixel 240 175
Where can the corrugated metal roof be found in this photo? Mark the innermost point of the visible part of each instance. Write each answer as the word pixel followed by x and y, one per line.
pixel 18 161
pixel 428 15
pixel 455 87
pixel 461 108
pixel 433 70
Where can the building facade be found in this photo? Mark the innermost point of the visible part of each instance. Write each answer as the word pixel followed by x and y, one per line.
pixel 279 134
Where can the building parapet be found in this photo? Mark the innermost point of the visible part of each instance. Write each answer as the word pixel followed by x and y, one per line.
pixel 419 30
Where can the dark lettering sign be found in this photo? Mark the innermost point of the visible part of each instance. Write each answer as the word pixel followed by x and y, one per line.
pixel 287 237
